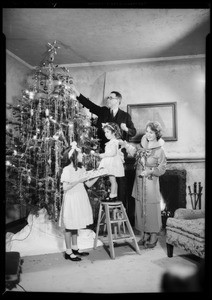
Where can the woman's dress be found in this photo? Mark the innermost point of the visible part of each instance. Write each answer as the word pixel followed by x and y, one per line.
pixel 76 211
pixel 146 190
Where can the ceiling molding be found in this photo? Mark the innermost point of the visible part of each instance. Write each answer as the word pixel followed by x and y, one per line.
pixel 19 59
pixel 115 62
pixel 132 61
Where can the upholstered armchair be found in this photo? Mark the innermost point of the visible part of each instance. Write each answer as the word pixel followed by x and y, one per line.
pixel 186 230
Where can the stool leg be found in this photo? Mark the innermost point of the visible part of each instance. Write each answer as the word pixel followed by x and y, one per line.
pixel 119 218
pixel 110 237
pixel 130 229
pixel 114 212
pixel 98 225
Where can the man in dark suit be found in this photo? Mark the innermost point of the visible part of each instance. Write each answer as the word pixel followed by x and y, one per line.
pixel 110 113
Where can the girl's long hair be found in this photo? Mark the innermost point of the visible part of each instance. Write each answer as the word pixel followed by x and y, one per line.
pixel 66 160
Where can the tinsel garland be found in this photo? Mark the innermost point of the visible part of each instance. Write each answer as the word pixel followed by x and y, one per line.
pixel 44 124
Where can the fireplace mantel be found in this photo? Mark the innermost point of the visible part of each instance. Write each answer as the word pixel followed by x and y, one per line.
pixel 185 160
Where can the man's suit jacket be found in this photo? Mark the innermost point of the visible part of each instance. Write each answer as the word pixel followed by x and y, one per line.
pixel 104 115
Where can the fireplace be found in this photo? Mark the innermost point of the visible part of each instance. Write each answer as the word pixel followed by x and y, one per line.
pixel 173 191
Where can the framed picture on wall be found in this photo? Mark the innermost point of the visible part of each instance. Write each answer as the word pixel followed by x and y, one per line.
pixel 165 113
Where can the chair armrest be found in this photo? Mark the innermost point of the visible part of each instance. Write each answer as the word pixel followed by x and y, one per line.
pixel 187 213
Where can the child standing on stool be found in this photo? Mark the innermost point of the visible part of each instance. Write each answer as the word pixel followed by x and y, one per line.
pixel 112 158
pixel 76 212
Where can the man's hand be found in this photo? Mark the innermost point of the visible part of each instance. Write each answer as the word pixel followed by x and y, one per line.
pixel 124 127
pixel 74 90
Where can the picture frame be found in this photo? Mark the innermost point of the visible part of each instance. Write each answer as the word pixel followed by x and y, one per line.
pixel 165 113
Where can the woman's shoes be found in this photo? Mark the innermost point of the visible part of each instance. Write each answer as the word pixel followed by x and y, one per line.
pixel 152 245
pixel 76 252
pixel 144 240
pixel 68 256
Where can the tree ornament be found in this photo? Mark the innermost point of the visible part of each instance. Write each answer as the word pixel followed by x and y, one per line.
pixel 29 179
pixel 47 112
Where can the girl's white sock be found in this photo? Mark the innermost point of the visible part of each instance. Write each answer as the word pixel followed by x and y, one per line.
pixel 113 195
pixel 74 247
pixel 68 251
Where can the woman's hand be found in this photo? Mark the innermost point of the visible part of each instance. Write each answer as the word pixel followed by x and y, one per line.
pixel 146 173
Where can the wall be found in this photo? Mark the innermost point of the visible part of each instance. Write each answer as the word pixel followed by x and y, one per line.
pixel 172 80
pixel 178 80
pixel 16 73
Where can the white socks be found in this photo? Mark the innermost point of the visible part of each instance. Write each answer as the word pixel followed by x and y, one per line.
pixel 74 247
pixel 113 195
pixel 69 252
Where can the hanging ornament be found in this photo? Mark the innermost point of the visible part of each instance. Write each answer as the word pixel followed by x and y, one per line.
pixel 49 161
pixel 56 135
pixel 52 120
pixel 87 123
pixel 29 179
pixel 40 184
pixel 47 112
pixel 31 95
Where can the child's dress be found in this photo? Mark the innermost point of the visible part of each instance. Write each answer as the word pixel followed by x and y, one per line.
pixel 76 211
pixel 113 160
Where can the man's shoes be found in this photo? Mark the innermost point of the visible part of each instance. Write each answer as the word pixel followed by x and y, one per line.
pixel 76 252
pixel 68 256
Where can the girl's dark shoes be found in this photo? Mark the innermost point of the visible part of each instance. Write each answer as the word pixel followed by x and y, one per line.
pixel 114 199
pixel 76 252
pixel 68 256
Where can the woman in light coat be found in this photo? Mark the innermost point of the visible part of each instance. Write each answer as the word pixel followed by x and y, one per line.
pixel 150 164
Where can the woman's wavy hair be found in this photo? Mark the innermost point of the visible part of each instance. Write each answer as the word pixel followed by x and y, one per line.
pixel 156 127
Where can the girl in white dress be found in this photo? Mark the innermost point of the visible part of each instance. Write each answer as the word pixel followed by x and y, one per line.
pixel 76 212
pixel 112 158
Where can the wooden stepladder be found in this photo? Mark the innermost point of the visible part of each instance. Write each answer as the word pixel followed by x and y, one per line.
pixel 113 216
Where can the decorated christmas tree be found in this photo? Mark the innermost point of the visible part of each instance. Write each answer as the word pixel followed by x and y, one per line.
pixel 43 122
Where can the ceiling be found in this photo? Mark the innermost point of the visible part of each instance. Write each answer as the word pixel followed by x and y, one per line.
pixel 100 35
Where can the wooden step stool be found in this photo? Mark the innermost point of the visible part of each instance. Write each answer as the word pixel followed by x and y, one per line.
pixel 113 216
